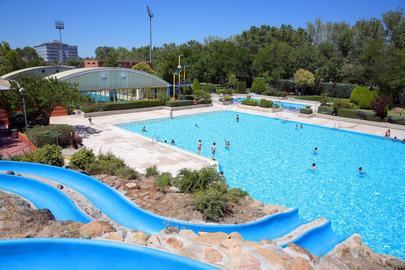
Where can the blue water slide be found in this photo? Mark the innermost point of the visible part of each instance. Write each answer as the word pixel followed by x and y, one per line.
pixel 118 208
pixel 80 254
pixel 319 240
pixel 43 196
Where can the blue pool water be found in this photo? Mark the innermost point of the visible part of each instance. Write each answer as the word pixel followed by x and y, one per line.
pixel 271 159
pixel 282 104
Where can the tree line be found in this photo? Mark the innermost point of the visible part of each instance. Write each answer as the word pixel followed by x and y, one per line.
pixel 370 52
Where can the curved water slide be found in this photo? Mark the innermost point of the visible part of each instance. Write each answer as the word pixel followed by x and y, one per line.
pixel 79 254
pixel 43 196
pixel 114 205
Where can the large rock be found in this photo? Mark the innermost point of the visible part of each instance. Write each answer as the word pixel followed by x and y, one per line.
pixel 212 255
pixel 96 228
pixel 211 238
pixel 272 258
pixel 244 262
pixel 174 243
pixel 300 264
pixel 114 236
pixel 136 237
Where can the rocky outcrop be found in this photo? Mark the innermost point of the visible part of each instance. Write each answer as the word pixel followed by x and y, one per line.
pixel 19 220
pixel 178 205
pixel 228 251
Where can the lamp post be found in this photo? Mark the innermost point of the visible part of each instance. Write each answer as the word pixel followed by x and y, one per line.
pixel 60 25
pixel 150 14
pixel 174 85
pixel 22 90
pixel 179 70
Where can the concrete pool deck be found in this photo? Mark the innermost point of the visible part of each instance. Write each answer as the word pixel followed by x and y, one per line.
pixel 140 152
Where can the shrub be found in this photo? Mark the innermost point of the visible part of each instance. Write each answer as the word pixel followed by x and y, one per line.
pixel 200 94
pixel 52 134
pixel 342 104
pixel 235 195
pixel 228 98
pixel 304 78
pixel 152 171
pixel 209 88
pixel 380 106
pixel 211 203
pixel 249 102
pixel 163 181
pixel 265 103
pixel 258 85
pixel 339 90
pixel 179 103
pixel 112 106
pixel 275 93
pixel 48 154
pixel 306 110
pixel 196 85
pixel 224 91
pixel 82 159
pixel 358 114
pixel 363 97
pixel 189 181
pixel 126 173
pixel 325 110
pixel 240 87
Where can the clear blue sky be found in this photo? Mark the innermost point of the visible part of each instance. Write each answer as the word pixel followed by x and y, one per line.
pixel 92 23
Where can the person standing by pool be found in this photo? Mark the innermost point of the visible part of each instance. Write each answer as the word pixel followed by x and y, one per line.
pixel 315 151
pixel 213 148
pixel 144 129
pixel 237 117
pixel 388 133
pixel 172 142
pixel 227 144
pixel 199 146
pixel 361 171
pixel 90 121
pixel 171 114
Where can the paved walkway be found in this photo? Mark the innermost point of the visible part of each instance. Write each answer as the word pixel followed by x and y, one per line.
pixel 11 147
pixel 140 152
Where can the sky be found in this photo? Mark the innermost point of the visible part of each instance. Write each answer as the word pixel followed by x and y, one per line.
pixel 93 23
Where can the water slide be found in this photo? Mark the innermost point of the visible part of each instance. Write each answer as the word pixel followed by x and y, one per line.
pixel 319 240
pixel 43 196
pixel 79 254
pixel 114 205
pixel 118 208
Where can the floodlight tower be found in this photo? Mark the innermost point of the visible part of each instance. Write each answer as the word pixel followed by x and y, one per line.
pixel 60 25
pixel 150 14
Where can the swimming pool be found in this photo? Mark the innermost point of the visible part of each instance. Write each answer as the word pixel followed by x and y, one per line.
pixel 282 104
pixel 270 159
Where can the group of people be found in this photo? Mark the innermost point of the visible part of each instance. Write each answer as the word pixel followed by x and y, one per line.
pixel 314 167
pixel 213 147
pixel 388 136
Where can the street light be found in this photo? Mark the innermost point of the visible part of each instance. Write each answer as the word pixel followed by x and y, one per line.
pixel 60 25
pixel 179 70
pixel 174 85
pixel 150 14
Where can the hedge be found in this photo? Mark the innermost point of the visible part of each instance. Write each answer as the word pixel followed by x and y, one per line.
pixel 112 106
pixel 264 103
pixel 325 110
pixel 306 111
pixel 52 134
pixel 358 114
pixel 178 103
pixel 249 102
pixel 400 120
pixel 340 90
pixel 363 96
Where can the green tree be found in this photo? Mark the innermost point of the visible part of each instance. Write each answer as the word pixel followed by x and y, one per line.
pixel 304 78
pixel 196 85
pixel 259 85
pixel 41 96
pixel 143 66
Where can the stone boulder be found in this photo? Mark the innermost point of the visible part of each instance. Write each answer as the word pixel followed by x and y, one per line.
pixel 96 228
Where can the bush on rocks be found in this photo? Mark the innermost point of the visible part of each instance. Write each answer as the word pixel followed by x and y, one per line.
pixel 163 181
pixel 152 171
pixel 249 102
pixel 189 181
pixel 211 203
pixel 82 159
